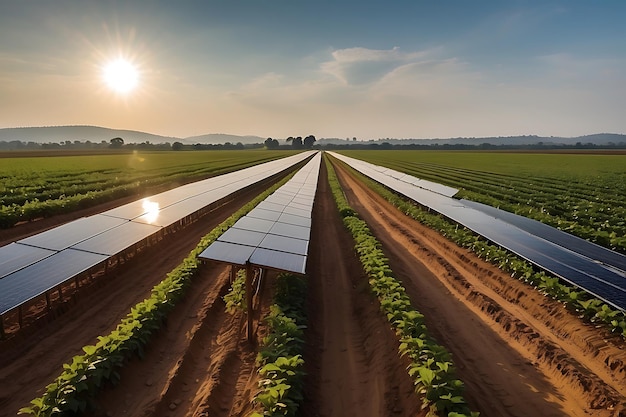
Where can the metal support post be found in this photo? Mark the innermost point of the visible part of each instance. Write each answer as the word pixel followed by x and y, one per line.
pixel 249 272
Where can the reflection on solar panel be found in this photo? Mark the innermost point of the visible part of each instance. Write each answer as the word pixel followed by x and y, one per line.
pixel 275 234
pixel 598 271
pixel 41 262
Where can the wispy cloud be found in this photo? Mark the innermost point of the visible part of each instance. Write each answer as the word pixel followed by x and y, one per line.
pixel 358 66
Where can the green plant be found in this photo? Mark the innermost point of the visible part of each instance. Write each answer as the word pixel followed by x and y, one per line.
pixel 431 367
pixel 280 357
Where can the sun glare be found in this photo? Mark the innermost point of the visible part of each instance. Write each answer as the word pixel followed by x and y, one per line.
pixel 152 210
pixel 121 76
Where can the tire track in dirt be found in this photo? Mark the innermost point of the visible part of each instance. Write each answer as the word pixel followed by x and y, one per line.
pixel 351 354
pixel 511 348
pixel 197 386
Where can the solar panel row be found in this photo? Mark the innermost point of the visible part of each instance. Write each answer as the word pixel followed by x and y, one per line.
pixel 604 277
pixel 275 234
pixel 36 264
pixel 418 182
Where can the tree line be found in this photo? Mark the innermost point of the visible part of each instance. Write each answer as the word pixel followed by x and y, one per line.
pixel 292 142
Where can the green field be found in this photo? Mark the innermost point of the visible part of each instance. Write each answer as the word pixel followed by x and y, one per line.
pixel 583 194
pixel 42 186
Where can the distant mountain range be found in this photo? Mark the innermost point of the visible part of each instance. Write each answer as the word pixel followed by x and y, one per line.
pixel 97 134
pixel 597 139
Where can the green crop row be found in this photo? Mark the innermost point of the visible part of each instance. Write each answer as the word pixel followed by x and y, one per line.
pixel 32 188
pixel 280 357
pixel 577 300
pixel 236 295
pixel 73 391
pixel 431 365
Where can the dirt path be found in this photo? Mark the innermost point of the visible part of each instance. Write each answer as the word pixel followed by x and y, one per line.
pixel 352 355
pixel 200 365
pixel 519 353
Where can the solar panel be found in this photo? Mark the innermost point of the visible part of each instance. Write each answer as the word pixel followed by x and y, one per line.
pixel 551 234
pixel 228 252
pixel 279 260
pixel 260 213
pixel 291 230
pixel 285 244
pixel 34 280
pixel 15 256
pixel 278 199
pixel 171 214
pixel 64 236
pixel 300 206
pixel 242 237
pixel 293 219
pixel 271 206
pixel 116 240
pixel 254 224
pixel 297 211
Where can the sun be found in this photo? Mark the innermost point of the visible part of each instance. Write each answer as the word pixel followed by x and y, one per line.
pixel 121 76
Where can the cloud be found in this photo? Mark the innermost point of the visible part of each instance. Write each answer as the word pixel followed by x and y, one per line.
pixel 361 66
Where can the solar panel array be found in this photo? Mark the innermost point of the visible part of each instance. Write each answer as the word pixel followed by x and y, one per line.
pixel 275 234
pixel 598 271
pixel 34 265
pixel 417 182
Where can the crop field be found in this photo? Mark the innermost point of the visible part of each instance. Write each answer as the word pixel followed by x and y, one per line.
pixel 35 187
pixel 392 318
pixel 582 194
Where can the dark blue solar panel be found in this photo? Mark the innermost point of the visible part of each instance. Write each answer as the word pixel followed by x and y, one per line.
pixel 551 234
pixel 34 280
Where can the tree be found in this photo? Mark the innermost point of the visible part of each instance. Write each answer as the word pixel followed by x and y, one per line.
pixel 309 141
pixel 116 143
pixel 296 143
pixel 271 143
pixel 177 146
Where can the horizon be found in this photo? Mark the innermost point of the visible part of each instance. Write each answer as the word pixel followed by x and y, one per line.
pixel 260 138
pixel 371 70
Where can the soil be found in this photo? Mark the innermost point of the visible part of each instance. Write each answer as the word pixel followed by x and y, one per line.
pixel 519 353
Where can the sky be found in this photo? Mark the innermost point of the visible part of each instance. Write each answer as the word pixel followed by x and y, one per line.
pixel 333 69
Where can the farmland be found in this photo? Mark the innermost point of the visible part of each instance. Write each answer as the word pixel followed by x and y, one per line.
pixel 582 194
pixel 518 352
pixel 36 187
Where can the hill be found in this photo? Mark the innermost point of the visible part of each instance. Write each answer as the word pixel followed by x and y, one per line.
pixel 81 133
pixel 600 139
pixel 96 134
